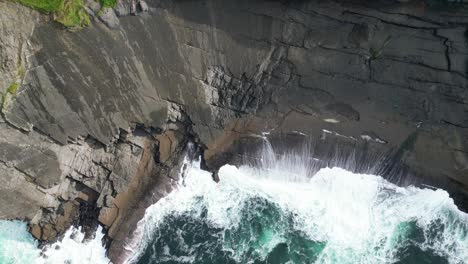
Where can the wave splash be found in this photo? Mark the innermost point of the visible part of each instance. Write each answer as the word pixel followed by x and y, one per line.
pixel 275 213
pixel 17 246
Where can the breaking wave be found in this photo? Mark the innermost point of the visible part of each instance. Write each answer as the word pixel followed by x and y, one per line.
pixel 278 211
pixel 275 213
pixel 17 246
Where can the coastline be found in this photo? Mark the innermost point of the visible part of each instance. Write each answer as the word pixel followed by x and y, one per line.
pixel 102 116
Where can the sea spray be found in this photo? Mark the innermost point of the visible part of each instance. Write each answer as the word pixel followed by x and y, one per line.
pixel 134 244
pixel 17 246
pixel 75 249
pixel 278 213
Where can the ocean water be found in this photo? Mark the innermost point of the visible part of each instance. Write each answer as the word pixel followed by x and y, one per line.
pixel 17 246
pixel 274 212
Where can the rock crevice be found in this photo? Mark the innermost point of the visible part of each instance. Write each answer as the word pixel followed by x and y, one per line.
pixel 97 128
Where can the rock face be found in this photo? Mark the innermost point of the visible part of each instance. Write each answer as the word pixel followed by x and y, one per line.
pixel 102 116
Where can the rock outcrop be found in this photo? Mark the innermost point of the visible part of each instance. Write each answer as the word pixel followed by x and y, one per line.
pixel 98 123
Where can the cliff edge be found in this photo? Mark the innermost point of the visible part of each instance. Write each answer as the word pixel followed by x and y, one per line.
pixel 95 122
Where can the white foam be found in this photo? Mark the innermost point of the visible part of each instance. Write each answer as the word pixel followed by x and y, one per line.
pixel 353 213
pixel 17 246
pixel 74 249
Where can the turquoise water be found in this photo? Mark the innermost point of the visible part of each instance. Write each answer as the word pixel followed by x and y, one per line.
pixel 336 216
pixel 17 246
pixel 273 213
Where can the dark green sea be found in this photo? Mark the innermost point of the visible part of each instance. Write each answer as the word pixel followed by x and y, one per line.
pixel 274 214
pixel 259 216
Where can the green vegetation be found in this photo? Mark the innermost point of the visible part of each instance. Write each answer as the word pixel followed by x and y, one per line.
pixel 21 72
pixel 108 3
pixel 46 6
pixel 70 13
pixel 11 90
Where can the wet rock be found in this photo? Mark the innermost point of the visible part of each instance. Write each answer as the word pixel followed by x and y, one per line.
pixel 36 231
pixel 48 232
pixel 102 117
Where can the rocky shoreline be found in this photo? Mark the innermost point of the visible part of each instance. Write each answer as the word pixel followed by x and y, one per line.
pixel 100 118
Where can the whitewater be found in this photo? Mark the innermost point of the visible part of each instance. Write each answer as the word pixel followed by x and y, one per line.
pixel 17 246
pixel 276 211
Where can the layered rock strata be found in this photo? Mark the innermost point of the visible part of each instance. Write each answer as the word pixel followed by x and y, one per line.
pixel 99 118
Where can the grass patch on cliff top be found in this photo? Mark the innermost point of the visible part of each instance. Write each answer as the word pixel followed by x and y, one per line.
pixel 46 6
pixel 108 3
pixel 70 13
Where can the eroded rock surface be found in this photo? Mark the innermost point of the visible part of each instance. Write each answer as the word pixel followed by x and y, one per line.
pixel 102 116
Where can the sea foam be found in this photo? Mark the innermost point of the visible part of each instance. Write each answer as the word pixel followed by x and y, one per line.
pixel 361 218
pixel 17 246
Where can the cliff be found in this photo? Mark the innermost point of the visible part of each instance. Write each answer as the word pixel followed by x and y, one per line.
pixel 95 122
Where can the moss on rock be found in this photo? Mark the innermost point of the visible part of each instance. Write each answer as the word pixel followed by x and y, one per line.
pixel 70 13
pixel 46 6
pixel 11 91
pixel 13 88
pixel 108 3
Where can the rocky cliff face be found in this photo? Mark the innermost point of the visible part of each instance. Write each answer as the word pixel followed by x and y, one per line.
pixel 100 118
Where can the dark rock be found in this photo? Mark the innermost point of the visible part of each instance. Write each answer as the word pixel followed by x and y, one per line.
pixel 114 109
pixel 343 110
